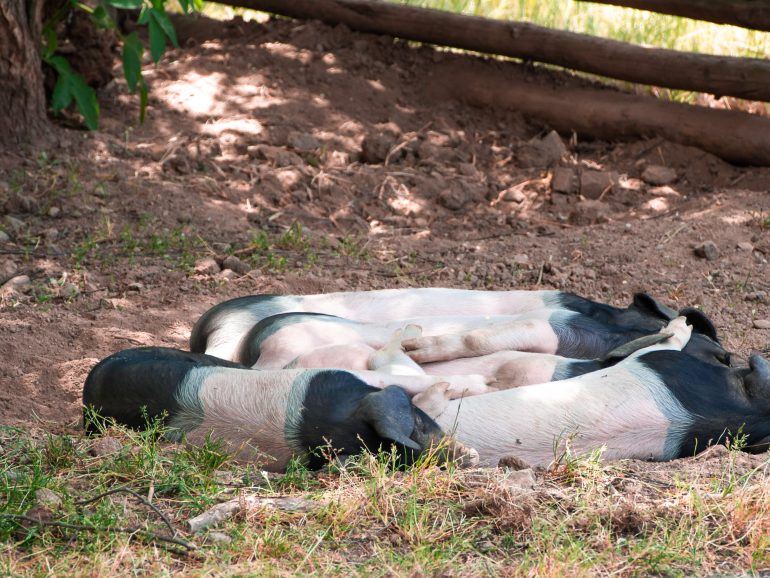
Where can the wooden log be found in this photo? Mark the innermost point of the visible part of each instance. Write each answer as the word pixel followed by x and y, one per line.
pixel 754 14
pixel 737 137
pixel 720 75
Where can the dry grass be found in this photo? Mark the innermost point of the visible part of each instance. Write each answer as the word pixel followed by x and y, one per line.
pixel 583 517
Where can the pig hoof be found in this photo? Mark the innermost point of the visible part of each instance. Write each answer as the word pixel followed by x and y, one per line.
pixel 464 456
pixel 433 401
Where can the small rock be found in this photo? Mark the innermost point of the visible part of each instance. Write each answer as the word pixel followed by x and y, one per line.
pixel 762 323
pixel 4 238
pixel 14 224
pixel 54 212
pixel 543 152
pixel 234 263
pixel 513 463
pixel 659 175
pixel 521 259
pixel 513 195
pixel 8 268
pixel 707 250
pixel 280 157
pixel 51 233
pixel 70 291
pixel 760 296
pixel 564 180
pixel 303 141
pixel 375 147
pixel 589 212
pixel 27 204
pixel 18 283
pixel 136 287
pixel 105 446
pixel 47 498
pixel 520 479
pixel 218 538
pixel 207 266
pixel 593 184
pixel 227 275
pixel 746 246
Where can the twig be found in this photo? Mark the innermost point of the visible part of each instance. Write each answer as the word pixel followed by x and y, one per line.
pixel 139 497
pixel 226 510
pixel 120 529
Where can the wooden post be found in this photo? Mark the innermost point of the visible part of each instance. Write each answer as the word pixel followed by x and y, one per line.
pixel 753 14
pixel 719 75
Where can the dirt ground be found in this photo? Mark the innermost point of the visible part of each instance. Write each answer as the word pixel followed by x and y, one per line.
pixel 304 158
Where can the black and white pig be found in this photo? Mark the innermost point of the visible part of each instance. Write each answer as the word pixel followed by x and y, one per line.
pixel 455 323
pixel 658 404
pixel 271 415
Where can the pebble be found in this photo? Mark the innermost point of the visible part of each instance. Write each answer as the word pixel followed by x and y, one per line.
pixel 234 263
pixel 54 212
pixel 513 463
pixel 70 290
pixel 593 184
pixel 218 538
pixel 48 498
pixel 513 195
pixel 136 286
pixel 303 141
pixel 375 148
pixel 564 180
pixel 746 246
pixel 762 323
pixel 207 266
pixel 14 223
pixel 17 283
pixel 521 259
pixel 659 175
pixel 4 238
pixel 227 274
pixel 520 479
pixel 760 296
pixel 105 446
pixel 707 250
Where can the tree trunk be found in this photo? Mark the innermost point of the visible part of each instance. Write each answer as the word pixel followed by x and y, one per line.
pixel 745 13
pixel 22 97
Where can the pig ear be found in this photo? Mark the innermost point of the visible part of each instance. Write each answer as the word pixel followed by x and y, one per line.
pixel 700 323
pixel 648 304
pixel 390 413
pixel 757 382
pixel 627 349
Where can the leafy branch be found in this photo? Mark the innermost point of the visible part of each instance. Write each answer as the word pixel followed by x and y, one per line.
pixel 70 86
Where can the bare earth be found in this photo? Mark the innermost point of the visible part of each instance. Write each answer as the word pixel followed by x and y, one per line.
pixel 256 129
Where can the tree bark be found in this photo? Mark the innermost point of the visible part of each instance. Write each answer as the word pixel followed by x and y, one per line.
pixel 737 137
pixel 753 14
pixel 22 97
pixel 720 75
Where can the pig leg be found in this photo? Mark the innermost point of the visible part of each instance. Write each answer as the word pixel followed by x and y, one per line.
pixel 392 359
pixel 459 385
pixel 506 369
pixel 535 335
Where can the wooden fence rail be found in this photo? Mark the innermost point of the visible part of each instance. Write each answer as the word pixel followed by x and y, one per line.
pixel 747 78
pixel 753 14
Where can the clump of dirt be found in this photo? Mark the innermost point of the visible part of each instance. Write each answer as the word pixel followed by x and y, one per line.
pixel 296 158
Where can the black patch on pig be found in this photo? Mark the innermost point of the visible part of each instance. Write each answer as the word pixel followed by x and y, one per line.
pixel 135 385
pixel 717 399
pixel 259 306
pixel 342 411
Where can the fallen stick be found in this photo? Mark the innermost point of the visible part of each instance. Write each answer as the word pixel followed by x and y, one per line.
pixel 720 75
pixel 737 137
pixel 226 510
pixel 754 14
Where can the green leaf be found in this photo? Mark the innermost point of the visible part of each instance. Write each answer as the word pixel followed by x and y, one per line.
pixel 51 42
pixel 162 18
pixel 185 5
pixel 144 16
pixel 60 64
pixel 102 18
pixel 62 95
pixel 125 4
pixel 157 40
pixel 132 60
pixel 85 98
